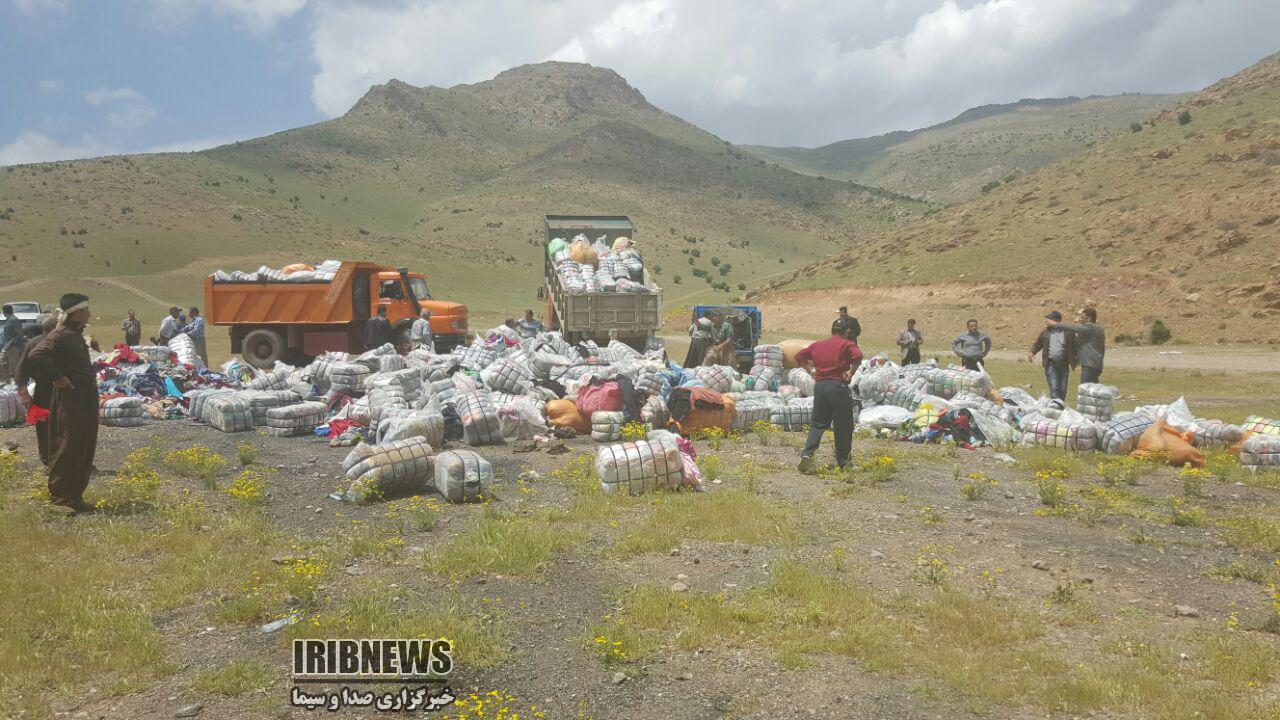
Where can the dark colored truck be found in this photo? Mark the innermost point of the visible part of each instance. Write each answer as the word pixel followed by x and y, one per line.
pixel 632 318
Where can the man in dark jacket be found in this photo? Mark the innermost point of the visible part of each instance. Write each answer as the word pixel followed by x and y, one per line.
pixel 1058 348
pixel 1091 338
pixel 63 357
pixel 377 332
pixel 43 394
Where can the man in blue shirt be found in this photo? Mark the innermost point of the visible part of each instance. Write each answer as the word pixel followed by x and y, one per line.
pixel 195 331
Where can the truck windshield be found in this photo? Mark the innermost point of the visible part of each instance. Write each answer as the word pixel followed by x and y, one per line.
pixel 419 288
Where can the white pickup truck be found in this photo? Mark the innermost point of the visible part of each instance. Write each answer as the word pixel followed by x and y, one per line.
pixel 30 314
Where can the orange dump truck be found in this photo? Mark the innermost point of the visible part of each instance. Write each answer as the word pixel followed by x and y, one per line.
pixel 294 321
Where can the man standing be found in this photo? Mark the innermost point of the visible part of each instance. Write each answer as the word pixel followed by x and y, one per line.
pixel 529 326
pixel 38 403
pixel 971 346
pixel 420 335
pixel 10 343
pixel 1091 339
pixel 856 327
pixel 132 328
pixel 699 342
pixel 1059 348
pixel 63 357
pixel 195 331
pixel 169 326
pixel 377 332
pixel 910 340
pixel 831 362
pixel 720 338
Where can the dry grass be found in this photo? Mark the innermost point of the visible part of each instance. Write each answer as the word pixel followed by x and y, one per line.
pixel 726 516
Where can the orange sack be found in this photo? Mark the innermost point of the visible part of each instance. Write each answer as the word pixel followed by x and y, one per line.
pixel 564 413
pixel 701 418
pixel 1163 441
pixel 789 350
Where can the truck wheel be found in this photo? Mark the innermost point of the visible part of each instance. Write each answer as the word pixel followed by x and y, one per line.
pixel 262 348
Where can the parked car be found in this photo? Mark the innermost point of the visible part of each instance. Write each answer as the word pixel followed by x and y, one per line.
pixel 30 315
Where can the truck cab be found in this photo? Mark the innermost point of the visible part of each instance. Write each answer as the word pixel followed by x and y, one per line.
pixel 405 295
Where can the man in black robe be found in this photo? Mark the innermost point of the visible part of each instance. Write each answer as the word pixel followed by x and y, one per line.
pixel 63 357
pixel 377 332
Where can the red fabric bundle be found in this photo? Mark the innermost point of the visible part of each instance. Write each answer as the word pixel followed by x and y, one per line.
pixel 36 414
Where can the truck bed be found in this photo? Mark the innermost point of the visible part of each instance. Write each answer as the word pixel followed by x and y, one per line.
pixel 317 302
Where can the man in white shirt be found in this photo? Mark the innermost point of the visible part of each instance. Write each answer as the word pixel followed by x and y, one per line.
pixel 530 326
pixel 420 332
pixel 169 326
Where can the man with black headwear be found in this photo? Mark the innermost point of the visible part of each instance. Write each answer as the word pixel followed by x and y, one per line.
pixel 377 332
pixel 63 357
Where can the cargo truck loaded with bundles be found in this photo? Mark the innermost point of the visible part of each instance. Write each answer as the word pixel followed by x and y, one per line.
pixel 298 312
pixel 596 285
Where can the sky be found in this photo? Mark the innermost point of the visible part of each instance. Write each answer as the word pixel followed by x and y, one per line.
pixel 80 78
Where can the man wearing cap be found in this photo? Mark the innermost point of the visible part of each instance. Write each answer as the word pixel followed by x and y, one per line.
pixel 831 362
pixel 1091 339
pixel 63 357
pixel 720 338
pixel 1058 348
pixel 420 332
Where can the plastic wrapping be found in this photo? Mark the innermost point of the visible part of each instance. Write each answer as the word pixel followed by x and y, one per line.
pixel 396 468
pixel 11 410
pixel 1060 435
pixel 1261 426
pixel 228 413
pixel 717 377
pixel 639 467
pixel 800 379
pixel 606 426
pixel 462 476
pixel 1096 401
pixel 1261 451
pixel 296 419
pixel 122 412
pixel 348 377
pixel 480 424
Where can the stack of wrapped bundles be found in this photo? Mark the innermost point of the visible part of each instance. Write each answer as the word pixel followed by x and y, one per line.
pixel 293 420
pixel 946 382
pixel 1096 401
pixel 260 401
pixel 1259 425
pixel 395 468
pixel 796 415
pixel 1261 451
pixel 122 412
pixel 1216 434
pixel 480 424
pixel 228 413
pixel 1038 430
pixel 348 377
pixel 462 476
pixel 768 356
pixel 606 426
pixel 12 411
pixel 640 467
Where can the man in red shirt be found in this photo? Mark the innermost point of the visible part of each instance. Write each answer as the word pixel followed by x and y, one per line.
pixel 831 362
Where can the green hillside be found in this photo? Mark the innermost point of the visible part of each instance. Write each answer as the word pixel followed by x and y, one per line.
pixel 453 181
pixel 980 148
pixel 1178 222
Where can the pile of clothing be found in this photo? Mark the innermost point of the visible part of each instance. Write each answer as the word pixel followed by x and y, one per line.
pixel 586 267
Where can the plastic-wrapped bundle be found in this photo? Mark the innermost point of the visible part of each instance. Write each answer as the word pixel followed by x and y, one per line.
pixel 122 412
pixel 297 419
pixel 769 356
pixel 1261 451
pixel 546 365
pixel 462 475
pixel 418 423
pixel 641 466
pixel 348 377
pixel 475 357
pixel 630 286
pixel 966 399
pixel 182 346
pixel 319 371
pixel 873 386
pixel 394 468
pixel 1096 401
pixel 590 284
pixel 444 391
pixel 507 375
pixel 557 343
pixel 372 359
pixel 277 379
pixel 197 399
pixel 750 411
pixel 884 417
pixel 260 401
pixel 800 378
pixel 652 383
pixel 1060 435
pixel 1259 425
pixel 1017 397
pixel 946 382
pixel 717 377
pixel 158 354
pixel 570 274
pixel 228 413
pixel 654 412
pixel 1216 435
pixel 904 394
pixel 788 392
pixel 480 425
pixel 391 363
pixel 766 377
pixel 387 395
pixel 606 426
pixel 631 262
pixel 406 380
pixel 792 416
pixel 1120 434
pixel 11 410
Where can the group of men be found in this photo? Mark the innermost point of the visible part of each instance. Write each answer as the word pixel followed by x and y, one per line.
pixel 710 341
pixel 174 324
pixel 832 363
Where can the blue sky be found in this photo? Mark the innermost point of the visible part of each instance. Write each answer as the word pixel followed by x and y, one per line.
pixel 81 78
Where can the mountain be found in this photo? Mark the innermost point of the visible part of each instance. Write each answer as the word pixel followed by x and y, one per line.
pixel 975 151
pixel 453 181
pixel 1178 222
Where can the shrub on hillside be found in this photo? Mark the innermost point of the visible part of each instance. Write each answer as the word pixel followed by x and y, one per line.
pixel 1184 117
pixel 1135 127
pixel 1159 333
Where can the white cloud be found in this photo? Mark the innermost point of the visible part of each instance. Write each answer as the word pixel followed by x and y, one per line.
pixel 127 109
pixel 32 147
pixel 31 7
pixel 800 71
pixel 257 16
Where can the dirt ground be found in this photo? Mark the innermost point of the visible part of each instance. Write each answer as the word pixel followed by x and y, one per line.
pixel 878 533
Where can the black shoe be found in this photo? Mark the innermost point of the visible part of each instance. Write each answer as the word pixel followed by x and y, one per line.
pixel 81 507
pixel 806 465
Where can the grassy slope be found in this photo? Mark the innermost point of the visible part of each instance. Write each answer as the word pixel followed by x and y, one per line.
pixel 952 161
pixel 1177 222
pixel 453 181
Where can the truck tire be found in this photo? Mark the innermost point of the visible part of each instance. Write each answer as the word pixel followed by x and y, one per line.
pixel 261 348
